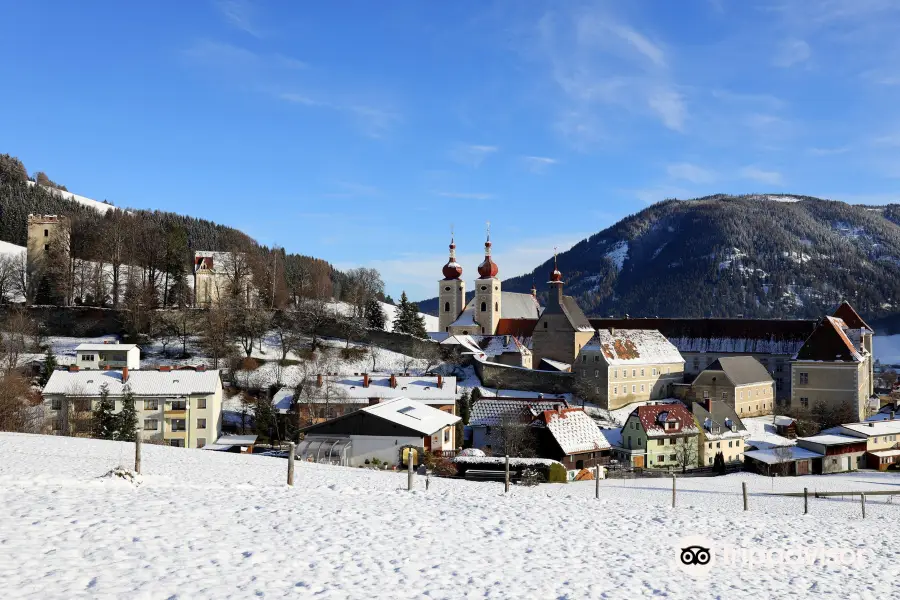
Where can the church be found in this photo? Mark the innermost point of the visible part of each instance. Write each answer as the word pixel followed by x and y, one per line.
pixel 510 327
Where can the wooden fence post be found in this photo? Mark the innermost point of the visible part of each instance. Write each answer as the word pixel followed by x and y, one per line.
pixel 137 453
pixel 744 490
pixel 409 470
pixel 673 491
pixel 862 498
pixel 597 483
pixel 291 448
pixel 506 482
pixel 805 501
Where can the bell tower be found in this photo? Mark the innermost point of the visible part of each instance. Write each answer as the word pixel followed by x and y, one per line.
pixel 451 291
pixel 487 292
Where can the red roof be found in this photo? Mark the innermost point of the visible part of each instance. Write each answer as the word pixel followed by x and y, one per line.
pixel 846 313
pixel 653 416
pixel 516 327
pixel 829 343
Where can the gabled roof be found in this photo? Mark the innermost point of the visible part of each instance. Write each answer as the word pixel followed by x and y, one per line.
pixel 516 327
pixel 514 305
pixel 739 370
pixel 831 439
pixel 574 430
pixel 846 313
pixel 412 415
pixel 719 421
pixel 141 383
pixel 780 454
pixel 350 389
pixel 634 347
pixel 104 347
pixel 490 411
pixel 575 315
pixel 495 345
pixel 829 342
pixel 652 417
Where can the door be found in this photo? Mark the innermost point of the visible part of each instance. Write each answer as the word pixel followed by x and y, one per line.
pixel 638 462
pixel 802 467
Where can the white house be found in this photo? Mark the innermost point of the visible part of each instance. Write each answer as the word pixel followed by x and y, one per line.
pixel 108 356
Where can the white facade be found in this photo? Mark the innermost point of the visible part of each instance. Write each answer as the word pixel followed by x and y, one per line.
pixel 113 356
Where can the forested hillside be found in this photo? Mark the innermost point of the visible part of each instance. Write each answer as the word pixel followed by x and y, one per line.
pixel 756 256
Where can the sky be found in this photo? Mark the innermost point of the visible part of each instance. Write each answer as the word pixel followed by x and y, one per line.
pixel 362 132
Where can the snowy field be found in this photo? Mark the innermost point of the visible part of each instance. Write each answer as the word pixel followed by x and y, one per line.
pixel 211 525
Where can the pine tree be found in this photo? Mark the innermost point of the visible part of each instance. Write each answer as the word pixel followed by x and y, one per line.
pixel 375 317
pixel 417 322
pixel 104 421
pixel 408 320
pixel 48 368
pixel 264 417
pixel 126 423
pixel 463 407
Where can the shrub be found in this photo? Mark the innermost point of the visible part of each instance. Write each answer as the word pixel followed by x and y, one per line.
pixel 249 364
pixel 558 474
pixel 443 467
pixel 531 477
pixel 353 353
pixel 367 462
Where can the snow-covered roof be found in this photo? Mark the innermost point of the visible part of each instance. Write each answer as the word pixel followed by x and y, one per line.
pixel 575 431
pixel 501 460
pixel 613 436
pixel 467 317
pixel 104 347
pixel 634 347
pixel 873 428
pixel 495 345
pixel 885 453
pixel 350 389
pixel 141 383
pixel 490 411
pixel 772 456
pixel 830 439
pixel 413 415
pixel 652 417
pixel 237 440
pixel 557 365
pixel 783 421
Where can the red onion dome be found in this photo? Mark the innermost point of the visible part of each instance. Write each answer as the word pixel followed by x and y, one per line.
pixel 452 270
pixel 488 268
pixel 555 275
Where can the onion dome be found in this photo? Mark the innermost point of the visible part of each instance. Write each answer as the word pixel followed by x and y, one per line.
pixel 452 270
pixel 488 268
pixel 555 275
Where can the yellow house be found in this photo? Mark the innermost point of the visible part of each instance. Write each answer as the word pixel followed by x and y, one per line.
pixel 739 381
pixel 882 441
pixel 622 366
pixel 720 430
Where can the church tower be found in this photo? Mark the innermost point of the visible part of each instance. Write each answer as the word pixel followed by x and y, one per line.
pixel 487 292
pixel 451 291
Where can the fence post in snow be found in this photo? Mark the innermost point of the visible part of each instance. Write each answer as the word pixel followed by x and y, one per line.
pixel 409 470
pixel 744 490
pixel 506 481
pixel 862 498
pixel 805 501
pixel 673 490
pixel 597 482
pixel 137 453
pixel 291 447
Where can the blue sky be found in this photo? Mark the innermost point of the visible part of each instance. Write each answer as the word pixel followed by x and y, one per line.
pixel 360 131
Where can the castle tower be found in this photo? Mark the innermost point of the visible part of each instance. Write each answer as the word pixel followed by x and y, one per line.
pixel 451 291
pixel 47 257
pixel 487 292
pixel 46 234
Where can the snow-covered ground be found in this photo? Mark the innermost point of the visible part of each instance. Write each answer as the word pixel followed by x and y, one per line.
pixel 7 248
pixel 390 311
pixel 100 207
pixel 211 525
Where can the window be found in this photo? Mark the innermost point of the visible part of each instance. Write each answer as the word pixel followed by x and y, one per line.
pixel 741 395
pixel 616 391
pixel 46 247
pixel 615 373
pixel 483 288
pixel 710 445
pixel 483 306
pixel 584 358
pixel 629 441
pixel 446 434
pixel 718 444
pixel 729 444
pixel 804 402
pixel 710 460
pixel 201 423
pixel 179 425
pixel 706 394
pixel 151 405
pixel 804 378
pixel 56 404
pixel 833 461
pixel 642 372
pixel 46 232
pixel 201 442
pixel 447 288
pixel 596 372
pixel 545 324
pixel 87 357
pixel 642 387
pixel 596 358
pixel 634 372
pixel 497 306
pixel 446 307
pixel 661 458
pixel 633 389
pixel 176 443
pixel 654 372
pixel 151 425
pixel 673 457
pixel 672 441
pixel 201 403
pixel 724 395
pixel 624 373
pixel 660 443
pixel 179 405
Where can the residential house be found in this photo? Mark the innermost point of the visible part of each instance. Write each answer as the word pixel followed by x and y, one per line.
pixel 659 436
pixel 839 452
pixel 488 414
pixel 739 381
pixel 177 407
pixel 570 436
pixel 620 366
pixel 781 460
pixel 378 431
pixel 834 368
pixel 108 355
pixel 720 430
pixel 882 441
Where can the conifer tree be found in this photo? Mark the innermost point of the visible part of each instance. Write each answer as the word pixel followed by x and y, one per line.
pixel 104 421
pixel 408 320
pixel 126 422
pixel 48 368
pixel 417 322
pixel 375 317
pixel 401 316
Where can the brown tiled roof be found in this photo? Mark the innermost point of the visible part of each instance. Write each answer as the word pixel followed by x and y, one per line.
pixel 829 343
pixel 850 316
pixel 650 417
pixel 516 327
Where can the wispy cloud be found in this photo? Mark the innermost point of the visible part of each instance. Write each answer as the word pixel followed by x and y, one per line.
pixel 829 151
pixel 791 52
pixel 538 164
pixel 690 172
pixel 669 105
pixel 749 99
pixel 239 61
pixel 239 14
pixel 465 195
pixel 373 122
pixel 472 155
pixel 756 174
pixel 640 43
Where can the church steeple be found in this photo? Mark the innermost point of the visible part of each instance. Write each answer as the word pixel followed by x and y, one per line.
pixel 452 270
pixel 451 291
pixel 488 268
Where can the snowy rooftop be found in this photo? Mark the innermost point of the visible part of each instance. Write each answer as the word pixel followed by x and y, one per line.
pixel 413 415
pixel 575 431
pixel 557 365
pixel 886 453
pixel 495 345
pixel 634 347
pixel 772 456
pixel 489 412
pixel 873 428
pixel 104 347
pixel 349 389
pixel 142 383
pixel 830 439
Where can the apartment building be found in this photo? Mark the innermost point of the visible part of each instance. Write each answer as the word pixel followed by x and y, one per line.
pixel 720 430
pixel 181 408
pixel 739 381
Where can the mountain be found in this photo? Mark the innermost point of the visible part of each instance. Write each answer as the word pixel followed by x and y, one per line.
pixel 761 256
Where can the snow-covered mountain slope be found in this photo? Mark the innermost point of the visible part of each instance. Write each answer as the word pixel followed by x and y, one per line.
pixel 100 207
pixel 204 524
pixel 11 249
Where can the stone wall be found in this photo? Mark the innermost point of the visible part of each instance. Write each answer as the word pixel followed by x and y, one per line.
pixel 507 377
pixel 74 321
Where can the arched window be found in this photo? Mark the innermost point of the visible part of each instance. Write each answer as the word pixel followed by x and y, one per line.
pixel 446 307
pixel 483 306
pixel 497 306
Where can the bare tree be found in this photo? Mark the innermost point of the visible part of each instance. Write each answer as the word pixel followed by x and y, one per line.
pixel 318 395
pixel 8 276
pixel 376 353
pixel 783 456
pixel 19 335
pixel 362 285
pixel 687 452
pixel 514 436
pixel 216 334
pixel 314 313
pixel 20 409
pixel 285 326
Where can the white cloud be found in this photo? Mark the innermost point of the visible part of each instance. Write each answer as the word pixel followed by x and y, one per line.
pixel 829 151
pixel 690 172
pixel 472 155
pixel 641 44
pixel 239 13
pixel 762 176
pixel 465 195
pixel 538 164
pixel 792 52
pixel 669 105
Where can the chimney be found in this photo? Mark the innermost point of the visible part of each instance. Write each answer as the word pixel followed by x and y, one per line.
pixel 201 368
pixel 393 380
pixel 319 380
pixel 106 367
pixel 74 368
pixel 440 381
pixel 365 380
pixel 871 423
pixel 506 340
pixel 165 369
pixel 612 331
pixel 124 374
